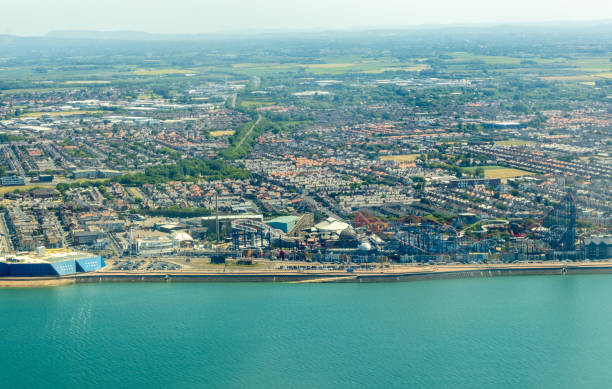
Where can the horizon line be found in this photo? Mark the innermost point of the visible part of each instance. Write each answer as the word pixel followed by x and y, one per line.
pixel 261 31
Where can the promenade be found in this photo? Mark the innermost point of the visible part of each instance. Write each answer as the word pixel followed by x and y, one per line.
pixel 393 273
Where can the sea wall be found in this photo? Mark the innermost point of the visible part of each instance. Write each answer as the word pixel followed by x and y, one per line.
pixel 348 277
pixel 456 274
pixel 93 278
pixel 307 277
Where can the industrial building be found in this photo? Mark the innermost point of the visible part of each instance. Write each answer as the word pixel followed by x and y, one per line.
pixel 50 263
pixel 283 223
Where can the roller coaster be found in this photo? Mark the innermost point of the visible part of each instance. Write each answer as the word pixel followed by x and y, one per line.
pixel 248 233
pixel 561 224
pixel 431 237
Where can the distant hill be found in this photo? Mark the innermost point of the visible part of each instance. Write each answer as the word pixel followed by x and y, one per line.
pixel 571 27
pixel 117 35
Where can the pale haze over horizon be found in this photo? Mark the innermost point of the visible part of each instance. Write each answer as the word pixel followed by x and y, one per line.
pixel 37 17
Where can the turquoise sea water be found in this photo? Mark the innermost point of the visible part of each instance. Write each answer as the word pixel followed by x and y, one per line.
pixel 514 332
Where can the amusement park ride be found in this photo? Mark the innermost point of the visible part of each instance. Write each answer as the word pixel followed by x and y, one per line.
pixel 253 234
pixel 416 235
pixel 430 237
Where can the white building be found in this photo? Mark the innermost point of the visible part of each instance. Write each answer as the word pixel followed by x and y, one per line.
pixel 158 245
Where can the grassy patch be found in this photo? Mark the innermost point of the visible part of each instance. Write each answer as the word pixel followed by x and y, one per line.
pixel 23 188
pixel 506 173
pixel 135 192
pixel 416 68
pixel 60 113
pixel 460 57
pixel 35 90
pixel 86 180
pixel 222 133
pixel 87 82
pixel 514 142
pixel 372 67
pixel 256 103
pixel 161 72
pixel 331 66
pixel 573 78
pixel 499 171
pixel 401 158
pixel 147 96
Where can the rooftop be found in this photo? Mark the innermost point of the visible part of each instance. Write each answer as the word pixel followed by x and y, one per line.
pixel 47 256
pixel 232 217
pixel 284 219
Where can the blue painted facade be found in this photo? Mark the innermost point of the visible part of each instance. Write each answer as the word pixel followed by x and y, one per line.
pixel 4 269
pixel 89 264
pixel 42 269
pixel 60 268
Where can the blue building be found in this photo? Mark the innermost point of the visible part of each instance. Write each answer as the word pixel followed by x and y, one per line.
pixel 56 263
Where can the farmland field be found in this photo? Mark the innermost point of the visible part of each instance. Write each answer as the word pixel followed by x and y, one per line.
pixel 366 66
pixel 90 82
pixel 161 72
pixel 415 68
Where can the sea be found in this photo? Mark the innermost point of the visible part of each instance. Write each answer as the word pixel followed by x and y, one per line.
pixel 504 332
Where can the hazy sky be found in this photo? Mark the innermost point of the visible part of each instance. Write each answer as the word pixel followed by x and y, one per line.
pixel 35 17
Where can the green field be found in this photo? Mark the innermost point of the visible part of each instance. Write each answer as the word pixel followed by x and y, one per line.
pixel 86 82
pixel 256 103
pixel 576 69
pixel 23 188
pixel 53 77
pixel 222 133
pixel 514 142
pixel 61 113
pixel 331 66
pixel 161 72
pixel 495 171
pixel 400 158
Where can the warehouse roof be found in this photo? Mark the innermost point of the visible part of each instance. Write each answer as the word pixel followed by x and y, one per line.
pixel 284 219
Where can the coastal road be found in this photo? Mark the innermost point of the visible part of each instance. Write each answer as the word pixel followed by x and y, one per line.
pixel 249 132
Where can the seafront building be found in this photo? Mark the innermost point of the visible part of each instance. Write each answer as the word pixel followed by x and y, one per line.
pixel 50 263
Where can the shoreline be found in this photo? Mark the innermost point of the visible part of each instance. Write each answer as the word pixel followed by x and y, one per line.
pixel 403 274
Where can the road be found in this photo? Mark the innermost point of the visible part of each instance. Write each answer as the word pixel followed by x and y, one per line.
pixel 115 246
pixel 249 132
pixel 320 207
pixel 7 245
